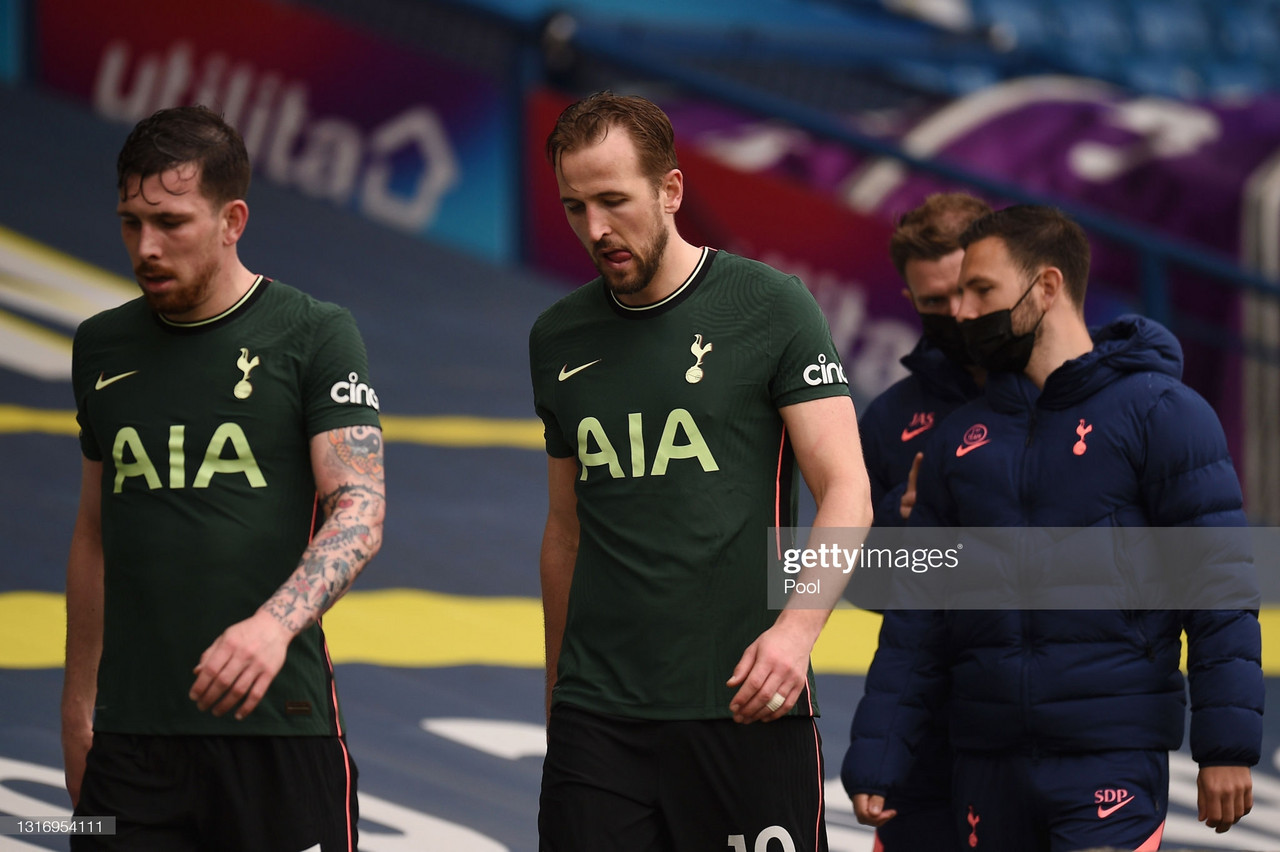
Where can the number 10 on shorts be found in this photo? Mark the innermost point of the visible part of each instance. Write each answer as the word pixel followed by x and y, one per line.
pixel 738 842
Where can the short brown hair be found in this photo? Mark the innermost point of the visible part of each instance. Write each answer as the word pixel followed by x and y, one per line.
pixel 588 121
pixel 1035 236
pixel 188 134
pixel 932 230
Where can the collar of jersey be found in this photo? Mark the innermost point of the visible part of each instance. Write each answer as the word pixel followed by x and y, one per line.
pixel 251 295
pixel 677 296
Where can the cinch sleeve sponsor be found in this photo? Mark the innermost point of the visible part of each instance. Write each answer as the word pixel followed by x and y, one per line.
pixel 808 364
pixel 338 389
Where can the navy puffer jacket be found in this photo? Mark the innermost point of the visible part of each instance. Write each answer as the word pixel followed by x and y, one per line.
pixel 1114 439
pixel 898 423
pixel 894 427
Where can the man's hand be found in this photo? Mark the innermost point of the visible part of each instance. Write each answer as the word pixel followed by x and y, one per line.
pixel 776 663
pixel 870 810
pixel 77 737
pixel 908 501
pixel 85 596
pixel 240 664
pixel 1224 794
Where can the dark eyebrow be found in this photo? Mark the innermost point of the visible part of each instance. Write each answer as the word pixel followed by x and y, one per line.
pixel 977 279
pixel 163 214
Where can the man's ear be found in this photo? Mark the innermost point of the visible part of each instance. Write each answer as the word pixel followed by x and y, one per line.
pixel 235 216
pixel 672 191
pixel 1052 284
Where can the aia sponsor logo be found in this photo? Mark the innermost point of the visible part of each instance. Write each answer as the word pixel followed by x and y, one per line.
pixel 974 437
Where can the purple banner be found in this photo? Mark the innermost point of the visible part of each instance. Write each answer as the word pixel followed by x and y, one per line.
pixel 1204 173
pixel 333 112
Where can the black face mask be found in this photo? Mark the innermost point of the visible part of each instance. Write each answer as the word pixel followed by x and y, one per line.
pixel 991 343
pixel 943 332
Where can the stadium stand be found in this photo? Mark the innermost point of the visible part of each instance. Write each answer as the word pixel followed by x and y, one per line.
pixel 909 58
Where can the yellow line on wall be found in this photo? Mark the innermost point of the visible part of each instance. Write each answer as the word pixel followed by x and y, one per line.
pixel 113 287
pixel 35 331
pixel 454 431
pixel 437 430
pixel 18 419
pixel 409 627
pixel 422 629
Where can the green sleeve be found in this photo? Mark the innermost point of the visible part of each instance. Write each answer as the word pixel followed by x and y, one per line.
pixel 552 434
pixel 808 364
pixel 337 391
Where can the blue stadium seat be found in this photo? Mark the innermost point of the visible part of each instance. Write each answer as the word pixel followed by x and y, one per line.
pixel 1096 34
pixel 1248 28
pixel 957 80
pixel 1170 27
pixel 1234 77
pixel 1025 24
pixel 1159 75
pixel 1095 24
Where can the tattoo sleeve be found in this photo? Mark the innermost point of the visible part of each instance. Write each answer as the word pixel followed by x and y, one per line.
pixel 352 493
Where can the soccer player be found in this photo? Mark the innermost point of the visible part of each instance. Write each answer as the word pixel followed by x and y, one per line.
pixel 1062 720
pixel 232 490
pixel 679 390
pixel 926 251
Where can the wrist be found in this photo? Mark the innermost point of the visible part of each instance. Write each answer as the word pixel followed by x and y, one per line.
pixel 806 624
pixel 288 622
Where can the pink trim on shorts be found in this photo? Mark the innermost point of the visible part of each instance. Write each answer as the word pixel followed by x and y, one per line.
pixel 1152 843
pixel 346 755
pixel 817 747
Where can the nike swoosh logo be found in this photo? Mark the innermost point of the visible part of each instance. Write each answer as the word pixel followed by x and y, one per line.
pixel 965 449
pixel 102 381
pixel 565 372
pixel 908 434
pixel 1103 813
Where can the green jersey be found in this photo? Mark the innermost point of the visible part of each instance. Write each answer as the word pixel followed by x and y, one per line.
pixel 208 498
pixel 672 413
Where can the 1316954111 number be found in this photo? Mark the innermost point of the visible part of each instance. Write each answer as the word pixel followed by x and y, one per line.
pixel 57 825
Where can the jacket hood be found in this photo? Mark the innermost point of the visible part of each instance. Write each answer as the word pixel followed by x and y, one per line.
pixel 1135 344
pixel 1128 344
pixel 942 377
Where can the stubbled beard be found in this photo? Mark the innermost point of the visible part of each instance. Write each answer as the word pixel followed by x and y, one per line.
pixel 646 267
pixel 1022 319
pixel 184 298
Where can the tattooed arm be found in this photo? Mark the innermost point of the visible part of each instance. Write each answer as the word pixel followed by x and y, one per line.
pixel 349 479
pixel 241 663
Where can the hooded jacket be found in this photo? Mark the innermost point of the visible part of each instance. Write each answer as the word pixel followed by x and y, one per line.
pixel 1113 440
pixel 898 422
pixel 893 428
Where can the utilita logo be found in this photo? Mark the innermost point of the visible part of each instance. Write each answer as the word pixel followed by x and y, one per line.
pixel 325 157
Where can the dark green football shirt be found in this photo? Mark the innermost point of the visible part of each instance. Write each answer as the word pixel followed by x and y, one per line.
pixel 672 413
pixel 208 498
